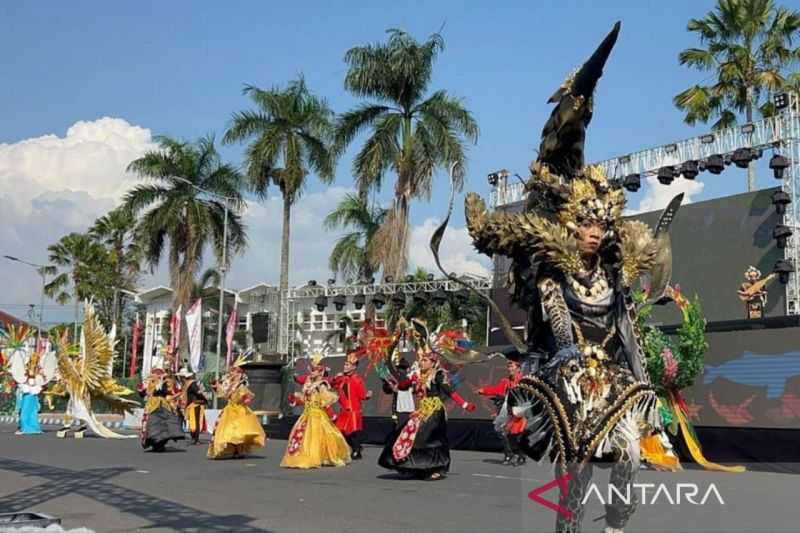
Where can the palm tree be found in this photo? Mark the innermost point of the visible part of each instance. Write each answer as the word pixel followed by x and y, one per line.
pixel 350 256
pixel 411 133
pixel 748 43
pixel 78 258
pixel 177 215
pixel 290 132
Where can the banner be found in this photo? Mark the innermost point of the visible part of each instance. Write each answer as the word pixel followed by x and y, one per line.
pixel 229 331
pixel 194 325
pixel 137 327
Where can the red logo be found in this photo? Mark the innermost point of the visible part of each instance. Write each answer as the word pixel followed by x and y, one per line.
pixel 563 486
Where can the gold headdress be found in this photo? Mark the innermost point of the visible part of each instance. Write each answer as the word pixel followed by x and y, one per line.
pixel 240 361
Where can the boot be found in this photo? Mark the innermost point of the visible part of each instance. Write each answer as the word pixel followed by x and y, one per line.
pixel 508 460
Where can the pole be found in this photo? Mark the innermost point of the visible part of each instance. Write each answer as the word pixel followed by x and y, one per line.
pixel 41 311
pixel 124 355
pixel 223 269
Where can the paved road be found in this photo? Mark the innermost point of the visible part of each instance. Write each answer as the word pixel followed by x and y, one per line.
pixel 112 486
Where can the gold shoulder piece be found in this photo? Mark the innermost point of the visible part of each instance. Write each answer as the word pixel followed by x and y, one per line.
pixel 638 250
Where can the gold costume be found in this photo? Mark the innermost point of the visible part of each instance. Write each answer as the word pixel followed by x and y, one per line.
pixel 238 430
pixel 315 441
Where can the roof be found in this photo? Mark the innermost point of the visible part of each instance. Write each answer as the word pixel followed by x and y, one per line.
pixel 10 320
pixel 150 295
pixel 255 290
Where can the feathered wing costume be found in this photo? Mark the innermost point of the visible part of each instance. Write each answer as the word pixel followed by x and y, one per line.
pixel 586 395
pixel 85 375
pixel 31 371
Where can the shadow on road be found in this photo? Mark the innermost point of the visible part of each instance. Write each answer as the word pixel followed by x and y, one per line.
pixel 95 484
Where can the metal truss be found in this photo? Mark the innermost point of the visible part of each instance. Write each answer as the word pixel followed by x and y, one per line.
pixel 388 288
pixel 781 132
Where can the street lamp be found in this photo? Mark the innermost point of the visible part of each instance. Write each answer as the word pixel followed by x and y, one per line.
pixel 41 270
pixel 222 268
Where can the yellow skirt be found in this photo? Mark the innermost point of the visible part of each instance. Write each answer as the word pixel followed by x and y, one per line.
pixel 196 418
pixel 315 441
pixel 238 430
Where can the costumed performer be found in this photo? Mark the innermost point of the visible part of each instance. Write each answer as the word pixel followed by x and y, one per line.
pixel 314 440
pixel 402 400
pixel 508 426
pixel 194 403
pixel 161 421
pixel 350 387
pixel 31 371
pixel 238 431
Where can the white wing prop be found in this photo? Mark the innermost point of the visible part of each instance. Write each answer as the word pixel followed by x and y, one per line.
pixel 17 363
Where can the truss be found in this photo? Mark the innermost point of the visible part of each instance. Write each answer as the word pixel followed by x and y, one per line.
pixel 781 131
pixel 388 288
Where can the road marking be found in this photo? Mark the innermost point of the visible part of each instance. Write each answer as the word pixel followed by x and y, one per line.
pixel 492 476
pixel 142 471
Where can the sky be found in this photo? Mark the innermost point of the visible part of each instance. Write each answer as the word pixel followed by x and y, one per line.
pixel 86 86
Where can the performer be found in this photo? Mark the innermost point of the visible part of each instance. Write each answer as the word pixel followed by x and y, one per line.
pixel 420 448
pixel 194 404
pixel 753 292
pixel 402 400
pixel 314 440
pixel 31 371
pixel 238 431
pixel 587 396
pixel 161 421
pixel 508 426
pixel 351 391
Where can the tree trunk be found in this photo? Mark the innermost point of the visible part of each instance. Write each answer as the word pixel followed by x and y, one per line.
pixel 751 168
pixel 287 214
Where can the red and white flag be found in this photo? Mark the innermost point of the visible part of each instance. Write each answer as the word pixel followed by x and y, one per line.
pixel 229 331
pixel 137 330
pixel 194 319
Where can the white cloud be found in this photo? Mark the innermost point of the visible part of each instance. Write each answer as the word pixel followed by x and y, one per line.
pixel 456 251
pixel 657 196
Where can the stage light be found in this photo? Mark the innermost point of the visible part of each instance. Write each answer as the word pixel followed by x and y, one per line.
pixel 339 301
pixel 781 100
pixel 756 153
pixel 431 277
pixel 321 302
pixel 780 199
pixel 741 157
pixel 409 279
pixel 388 279
pixel 398 299
pixel 783 268
pixel 420 298
pixel 493 178
pixel 665 175
pixel 462 296
pixel 780 234
pixel 439 297
pixel 331 281
pixel 707 138
pixel 378 300
pixel 359 300
pixel 727 159
pixel 689 170
pixel 312 283
pixel 632 182
pixel 778 164
pixel 624 160
pixel 715 164
pixel 748 128
pixel 371 280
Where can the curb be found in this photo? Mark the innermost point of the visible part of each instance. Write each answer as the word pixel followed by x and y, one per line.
pixel 55 421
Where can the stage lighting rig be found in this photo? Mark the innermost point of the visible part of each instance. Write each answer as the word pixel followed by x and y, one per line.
pixel 321 302
pixel 715 164
pixel 778 164
pixel 398 299
pixel 780 199
pixel 632 182
pixel 339 301
pixel 378 300
pixel 781 101
pixel 742 156
pixel 666 175
pixel 690 170
pixel 439 297
pixel 783 268
pixel 495 177
pixel 359 300
pixel 781 233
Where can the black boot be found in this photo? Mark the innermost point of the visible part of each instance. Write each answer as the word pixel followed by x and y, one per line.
pixel 507 460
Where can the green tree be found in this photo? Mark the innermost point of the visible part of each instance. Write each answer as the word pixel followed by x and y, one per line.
pixel 748 44
pixel 176 217
pixel 411 133
pixel 290 133
pixel 350 257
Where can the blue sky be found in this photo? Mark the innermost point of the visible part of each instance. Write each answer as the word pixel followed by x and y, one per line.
pixel 178 68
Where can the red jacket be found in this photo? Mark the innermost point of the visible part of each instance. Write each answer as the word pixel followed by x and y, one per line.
pixel 515 424
pixel 352 392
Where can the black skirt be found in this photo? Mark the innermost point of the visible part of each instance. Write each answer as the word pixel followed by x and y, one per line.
pixel 161 427
pixel 430 453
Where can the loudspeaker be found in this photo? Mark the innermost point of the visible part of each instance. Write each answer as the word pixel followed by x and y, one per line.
pixel 260 327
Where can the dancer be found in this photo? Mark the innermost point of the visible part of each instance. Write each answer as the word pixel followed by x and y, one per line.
pixel 574 260
pixel 194 404
pixel 508 426
pixel 352 391
pixel 402 400
pixel 314 440
pixel 420 447
pixel 161 421
pixel 238 431
pixel 31 371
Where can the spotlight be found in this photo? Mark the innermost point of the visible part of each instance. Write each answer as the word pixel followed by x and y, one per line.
pixel 780 199
pixel 462 296
pixel 420 298
pixel 493 178
pixel 431 277
pixel 715 164
pixel 359 300
pixel 632 182
pixel 781 100
pixel 332 281
pixel 741 157
pixel 689 170
pixel 321 302
pixel 748 128
pixel 312 283
pixel 339 301
pixel 778 164
pixel 707 138
pixel 727 159
pixel 378 300
pixel 665 175
pixel 409 279
pixel 398 299
pixel 780 234
pixel 388 279
pixel 783 268
pixel 439 297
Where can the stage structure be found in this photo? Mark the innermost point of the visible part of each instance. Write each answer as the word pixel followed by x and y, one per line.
pixel 712 152
pixel 357 296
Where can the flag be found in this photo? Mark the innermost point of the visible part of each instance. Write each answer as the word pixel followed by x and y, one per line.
pixel 194 325
pixel 137 327
pixel 229 331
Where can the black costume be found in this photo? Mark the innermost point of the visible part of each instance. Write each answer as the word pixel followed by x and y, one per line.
pixel 161 422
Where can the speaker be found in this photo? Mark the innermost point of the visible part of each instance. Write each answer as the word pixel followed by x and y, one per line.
pixel 260 327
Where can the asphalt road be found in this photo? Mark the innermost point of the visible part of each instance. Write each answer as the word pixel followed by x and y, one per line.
pixel 112 486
